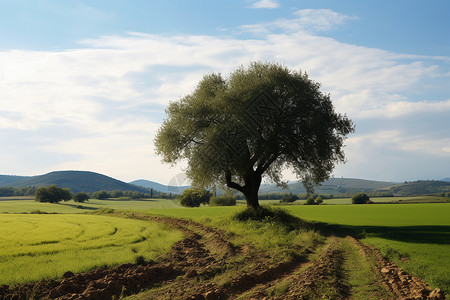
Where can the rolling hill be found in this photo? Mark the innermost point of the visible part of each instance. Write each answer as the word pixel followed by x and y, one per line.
pixel 85 181
pixel 76 181
pixel 420 187
pixel 332 186
pixel 160 187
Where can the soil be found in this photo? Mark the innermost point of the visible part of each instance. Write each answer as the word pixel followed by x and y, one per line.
pixel 197 266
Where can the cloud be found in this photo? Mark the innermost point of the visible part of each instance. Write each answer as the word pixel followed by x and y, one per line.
pixel 266 4
pixel 304 20
pixel 98 107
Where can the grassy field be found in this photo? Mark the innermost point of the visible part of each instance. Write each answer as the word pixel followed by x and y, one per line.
pixel 415 236
pixel 33 247
pixel 28 205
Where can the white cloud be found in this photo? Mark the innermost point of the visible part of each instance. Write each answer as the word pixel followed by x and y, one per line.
pixel 266 4
pixel 110 93
pixel 304 20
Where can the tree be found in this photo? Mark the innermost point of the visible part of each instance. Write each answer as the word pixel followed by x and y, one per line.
pixel 360 198
pixel 259 121
pixel 222 201
pixel 80 197
pixel 101 195
pixel 310 200
pixel 193 197
pixel 52 194
pixel 287 198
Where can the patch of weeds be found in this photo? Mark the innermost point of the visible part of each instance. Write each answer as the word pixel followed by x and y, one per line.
pixel 38 211
pixel 104 211
pixel 140 260
pixel 394 254
pixel 279 289
pixel 269 214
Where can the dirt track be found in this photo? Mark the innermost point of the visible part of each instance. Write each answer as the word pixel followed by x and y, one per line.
pixel 189 271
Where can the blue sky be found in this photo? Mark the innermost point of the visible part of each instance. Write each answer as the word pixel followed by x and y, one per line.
pixel 84 84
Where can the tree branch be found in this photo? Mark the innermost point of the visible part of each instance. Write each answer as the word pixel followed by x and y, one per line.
pixel 263 167
pixel 232 184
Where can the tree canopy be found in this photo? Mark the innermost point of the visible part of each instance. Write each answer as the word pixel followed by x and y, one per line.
pixel 52 194
pixel 260 120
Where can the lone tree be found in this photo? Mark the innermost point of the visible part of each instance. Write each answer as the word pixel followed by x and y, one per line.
pixel 360 198
pixel 193 197
pixel 52 194
pixel 80 197
pixel 260 120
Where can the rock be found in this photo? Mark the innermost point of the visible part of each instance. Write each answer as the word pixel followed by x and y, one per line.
pixel 385 270
pixel 436 294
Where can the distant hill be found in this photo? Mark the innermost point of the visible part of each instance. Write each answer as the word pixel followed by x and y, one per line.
pixel 160 187
pixel 76 181
pixel 445 179
pixel 7 180
pixel 332 186
pixel 421 187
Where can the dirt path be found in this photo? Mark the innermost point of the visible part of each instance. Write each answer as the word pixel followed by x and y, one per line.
pixel 205 265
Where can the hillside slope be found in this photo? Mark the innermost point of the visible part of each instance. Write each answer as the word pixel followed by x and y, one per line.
pixel 160 187
pixel 7 180
pixel 76 181
pixel 332 186
pixel 421 187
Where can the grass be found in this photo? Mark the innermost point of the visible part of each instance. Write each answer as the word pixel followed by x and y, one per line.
pixel 415 236
pixel 47 246
pixel 360 275
pixel 28 205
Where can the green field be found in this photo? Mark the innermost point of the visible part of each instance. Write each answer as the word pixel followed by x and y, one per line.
pixel 33 247
pixel 28 205
pixel 415 236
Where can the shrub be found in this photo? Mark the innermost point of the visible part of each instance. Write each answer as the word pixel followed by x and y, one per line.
pixel 360 198
pixel 310 200
pixel 80 197
pixel 193 197
pixel 319 200
pixel 288 198
pixel 269 214
pixel 222 201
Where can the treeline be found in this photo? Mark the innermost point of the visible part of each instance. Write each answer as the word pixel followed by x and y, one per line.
pixel 129 195
pixel 23 191
pixel 281 196
pixel 31 191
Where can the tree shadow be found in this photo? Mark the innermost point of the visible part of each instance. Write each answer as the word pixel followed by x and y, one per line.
pixel 78 206
pixel 125 200
pixel 431 234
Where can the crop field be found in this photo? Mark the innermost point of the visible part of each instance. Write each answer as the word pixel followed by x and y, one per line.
pixel 28 205
pixel 33 246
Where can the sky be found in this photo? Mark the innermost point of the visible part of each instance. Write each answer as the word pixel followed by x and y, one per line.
pixel 84 84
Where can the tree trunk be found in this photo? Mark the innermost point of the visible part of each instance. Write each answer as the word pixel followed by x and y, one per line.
pixel 252 185
pixel 250 189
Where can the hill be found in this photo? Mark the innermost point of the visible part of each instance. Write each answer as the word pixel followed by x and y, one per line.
pixel 332 186
pixel 76 181
pixel 421 187
pixel 160 187
pixel 7 180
